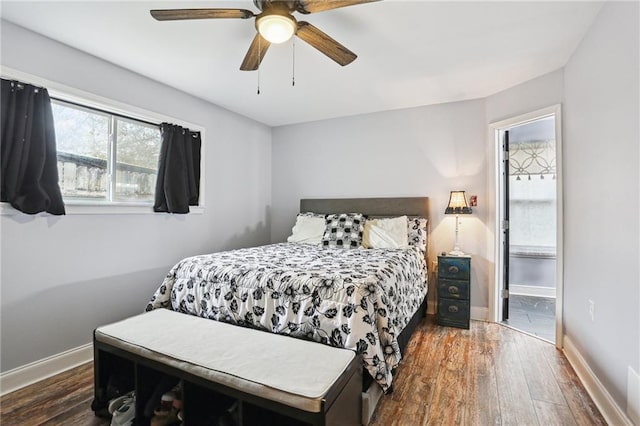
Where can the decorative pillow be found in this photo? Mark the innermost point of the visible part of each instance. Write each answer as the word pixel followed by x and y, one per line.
pixel 386 233
pixel 312 214
pixel 343 230
pixel 418 233
pixel 309 228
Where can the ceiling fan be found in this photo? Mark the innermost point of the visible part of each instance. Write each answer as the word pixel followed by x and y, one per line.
pixel 275 24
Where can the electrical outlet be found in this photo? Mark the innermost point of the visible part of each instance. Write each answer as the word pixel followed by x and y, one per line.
pixel 592 310
pixel 434 265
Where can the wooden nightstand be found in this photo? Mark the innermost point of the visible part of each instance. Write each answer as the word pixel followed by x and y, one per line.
pixel 454 278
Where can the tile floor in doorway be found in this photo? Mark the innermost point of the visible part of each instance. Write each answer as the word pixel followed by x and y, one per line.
pixel 534 315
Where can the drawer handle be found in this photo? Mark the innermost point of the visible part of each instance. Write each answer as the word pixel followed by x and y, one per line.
pixel 453 269
pixel 453 290
pixel 453 309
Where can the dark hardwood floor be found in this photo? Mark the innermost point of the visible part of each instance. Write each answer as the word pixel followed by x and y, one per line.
pixel 488 375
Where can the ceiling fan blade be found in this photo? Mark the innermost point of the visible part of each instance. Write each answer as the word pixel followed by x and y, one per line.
pixel 314 6
pixel 254 55
pixel 177 14
pixel 261 4
pixel 325 44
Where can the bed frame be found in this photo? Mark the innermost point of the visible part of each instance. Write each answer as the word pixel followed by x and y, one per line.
pixel 377 207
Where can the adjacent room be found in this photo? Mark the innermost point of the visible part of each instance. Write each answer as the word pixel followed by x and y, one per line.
pixel 437 200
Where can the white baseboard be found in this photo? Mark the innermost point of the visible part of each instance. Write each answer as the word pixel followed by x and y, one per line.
pixel 26 375
pixel 612 413
pixel 480 314
pixel 633 395
pixel 532 290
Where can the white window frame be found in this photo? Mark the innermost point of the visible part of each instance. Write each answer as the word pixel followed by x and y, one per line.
pixel 90 100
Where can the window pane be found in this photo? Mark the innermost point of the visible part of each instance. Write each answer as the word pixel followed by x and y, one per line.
pixel 82 139
pixel 532 204
pixel 138 148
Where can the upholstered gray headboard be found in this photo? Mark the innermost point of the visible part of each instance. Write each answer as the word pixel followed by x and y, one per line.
pixel 410 206
pixel 372 207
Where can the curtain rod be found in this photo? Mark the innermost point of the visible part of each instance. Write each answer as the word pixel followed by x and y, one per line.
pixel 20 84
pixel 112 113
pixel 104 111
pixel 10 74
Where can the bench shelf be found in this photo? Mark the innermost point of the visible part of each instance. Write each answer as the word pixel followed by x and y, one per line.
pixel 204 398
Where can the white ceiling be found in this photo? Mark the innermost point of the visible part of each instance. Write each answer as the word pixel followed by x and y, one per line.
pixel 410 53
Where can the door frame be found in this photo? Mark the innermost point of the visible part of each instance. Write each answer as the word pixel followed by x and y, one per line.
pixel 495 305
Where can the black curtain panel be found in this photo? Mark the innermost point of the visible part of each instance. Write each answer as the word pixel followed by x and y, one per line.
pixel 178 183
pixel 28 150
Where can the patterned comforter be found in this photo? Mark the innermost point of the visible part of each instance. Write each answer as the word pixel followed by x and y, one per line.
pixel 358 299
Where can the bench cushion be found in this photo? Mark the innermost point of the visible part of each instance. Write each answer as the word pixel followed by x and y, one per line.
pixel 295 372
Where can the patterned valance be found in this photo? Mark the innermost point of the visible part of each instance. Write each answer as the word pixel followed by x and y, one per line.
pixel 532 158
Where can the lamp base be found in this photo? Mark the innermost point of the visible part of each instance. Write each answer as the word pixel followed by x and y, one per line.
pixel 456 252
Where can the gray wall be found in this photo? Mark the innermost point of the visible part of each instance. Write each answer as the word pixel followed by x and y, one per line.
pixel 421 151
pixel 601 196
pixel 63 276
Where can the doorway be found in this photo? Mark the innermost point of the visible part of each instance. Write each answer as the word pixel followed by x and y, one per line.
pixel 529 270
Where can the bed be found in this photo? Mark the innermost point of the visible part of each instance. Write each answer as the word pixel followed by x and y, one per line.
pixel 367 300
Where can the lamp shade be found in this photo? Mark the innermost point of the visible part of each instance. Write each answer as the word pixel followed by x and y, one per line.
pixel 457 203
pixel 276 28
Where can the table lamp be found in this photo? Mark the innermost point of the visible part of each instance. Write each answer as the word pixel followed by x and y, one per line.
pixel 457 205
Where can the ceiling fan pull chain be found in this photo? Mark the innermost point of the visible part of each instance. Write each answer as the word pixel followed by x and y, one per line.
pixel 293 72
pixel 259 64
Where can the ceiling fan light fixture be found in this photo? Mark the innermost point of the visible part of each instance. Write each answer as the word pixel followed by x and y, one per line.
pixel 276 28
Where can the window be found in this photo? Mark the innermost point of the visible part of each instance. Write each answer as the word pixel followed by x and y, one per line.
pixel 532 188
pixel 105 157
pixel 532 220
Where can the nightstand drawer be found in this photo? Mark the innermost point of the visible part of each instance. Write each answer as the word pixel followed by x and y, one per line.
pixel 453 268
pixel 453 289
pixel 453 312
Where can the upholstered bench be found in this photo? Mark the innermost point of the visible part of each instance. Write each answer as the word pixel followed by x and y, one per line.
pixel 267 374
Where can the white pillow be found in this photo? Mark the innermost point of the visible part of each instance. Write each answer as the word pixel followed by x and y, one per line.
pixel 308 229
pixel 386 233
